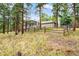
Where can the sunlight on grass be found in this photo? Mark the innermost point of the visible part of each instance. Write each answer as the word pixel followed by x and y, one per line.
pixel 37 43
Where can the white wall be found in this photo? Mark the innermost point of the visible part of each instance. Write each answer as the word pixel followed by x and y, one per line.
pixel 48 25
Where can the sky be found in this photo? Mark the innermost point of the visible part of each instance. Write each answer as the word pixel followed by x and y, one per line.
pixel 47 9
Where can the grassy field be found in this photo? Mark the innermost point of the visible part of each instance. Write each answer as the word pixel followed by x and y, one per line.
pixel 39 43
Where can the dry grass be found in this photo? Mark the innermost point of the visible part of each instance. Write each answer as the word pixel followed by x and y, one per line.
pixel 39 43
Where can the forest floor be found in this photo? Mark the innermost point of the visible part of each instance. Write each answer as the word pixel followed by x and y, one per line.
pixel 39 43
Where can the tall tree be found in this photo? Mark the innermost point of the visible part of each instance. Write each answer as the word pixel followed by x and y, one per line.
pixel 27 13
pixel 16 14
pixel 74 11
pixel 3 13
pixel 40 6
pixel 8 16
pixel 22 18
pixel 55 10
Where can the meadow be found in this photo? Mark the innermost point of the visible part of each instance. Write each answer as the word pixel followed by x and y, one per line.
pixel 39 44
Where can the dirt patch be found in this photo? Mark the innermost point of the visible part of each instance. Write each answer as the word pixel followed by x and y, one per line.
pixel 68 47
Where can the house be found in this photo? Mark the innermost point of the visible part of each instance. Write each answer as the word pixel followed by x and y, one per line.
pixel 34 24
pixel 47 24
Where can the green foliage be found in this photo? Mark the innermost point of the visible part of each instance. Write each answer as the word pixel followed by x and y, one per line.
pixel 65 16
pixel 53 18
pixel 66 20
pixel 45 17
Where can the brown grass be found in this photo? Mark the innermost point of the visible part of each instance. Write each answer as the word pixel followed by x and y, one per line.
pixel 39 43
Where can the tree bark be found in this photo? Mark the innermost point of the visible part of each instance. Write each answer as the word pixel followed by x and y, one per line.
pixel 74 23
pixel 8 23
pixel 22 20
pixel 4 23
pixel 57 15
pixel 40 17
pixel 16 24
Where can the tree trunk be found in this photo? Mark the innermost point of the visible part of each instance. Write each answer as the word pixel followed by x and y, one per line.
pixel 8 22
pixel 16 27
pixel 40 17
pixel 22 20
pixel 74 23
pixel 4 23
pixel 57 15
pixel 16 24
pixel 77 18
pixel 8 26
